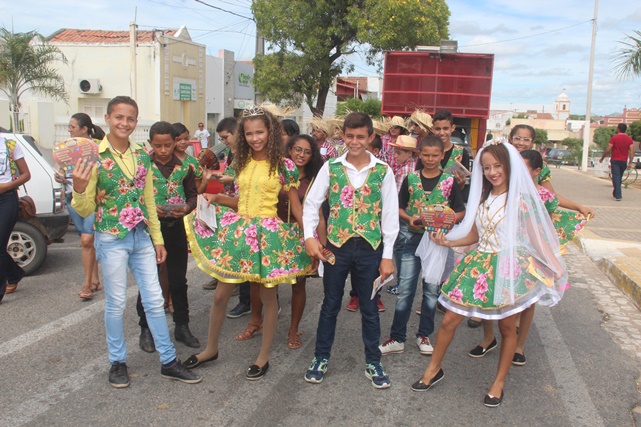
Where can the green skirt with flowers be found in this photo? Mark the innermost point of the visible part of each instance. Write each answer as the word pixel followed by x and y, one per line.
pixel 568 224
pixel 248 249
pixel 470 289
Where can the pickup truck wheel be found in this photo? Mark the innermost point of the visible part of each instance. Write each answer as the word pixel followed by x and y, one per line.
pixel 27 246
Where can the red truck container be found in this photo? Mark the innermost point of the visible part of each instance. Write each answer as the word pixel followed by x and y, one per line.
pixel 432 81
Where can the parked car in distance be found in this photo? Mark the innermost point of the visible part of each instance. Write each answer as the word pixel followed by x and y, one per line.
pixel 29 239
pixel 558 156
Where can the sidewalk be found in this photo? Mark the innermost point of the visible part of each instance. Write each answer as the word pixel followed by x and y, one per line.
pixel 612 239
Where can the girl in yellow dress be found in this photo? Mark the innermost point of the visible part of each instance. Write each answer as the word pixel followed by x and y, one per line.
pixel 251 243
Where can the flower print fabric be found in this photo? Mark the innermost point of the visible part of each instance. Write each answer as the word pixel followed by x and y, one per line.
pixel 252 244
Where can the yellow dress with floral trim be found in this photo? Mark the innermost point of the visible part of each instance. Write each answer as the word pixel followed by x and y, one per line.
pixel 252 244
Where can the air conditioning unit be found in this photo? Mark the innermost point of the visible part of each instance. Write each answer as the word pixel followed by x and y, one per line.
pixel 90 86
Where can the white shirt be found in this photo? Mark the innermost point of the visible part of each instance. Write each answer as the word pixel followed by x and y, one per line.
pixel 202 136
pixel 319 190
pixel 5 166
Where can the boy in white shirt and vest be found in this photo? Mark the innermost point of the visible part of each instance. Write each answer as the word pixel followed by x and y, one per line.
pixel 361 230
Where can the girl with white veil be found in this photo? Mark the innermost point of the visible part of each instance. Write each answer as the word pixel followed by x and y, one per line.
pixel 517 261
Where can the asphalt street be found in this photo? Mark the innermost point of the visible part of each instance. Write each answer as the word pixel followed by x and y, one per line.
pixel 54 365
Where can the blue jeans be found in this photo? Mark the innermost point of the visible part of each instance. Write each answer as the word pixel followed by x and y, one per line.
pixel 411 269
pixel 617 167
pixel 9 271
pixel 114 255
pixel 399 244
pixel 355 257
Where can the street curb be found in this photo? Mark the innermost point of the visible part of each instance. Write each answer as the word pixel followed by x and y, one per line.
pixel 617 275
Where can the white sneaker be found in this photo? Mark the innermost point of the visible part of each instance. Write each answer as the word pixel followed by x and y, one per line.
pixel 424 345
pixel 391 346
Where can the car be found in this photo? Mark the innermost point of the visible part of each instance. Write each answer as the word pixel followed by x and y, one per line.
pixel 558 157
pixel 29 239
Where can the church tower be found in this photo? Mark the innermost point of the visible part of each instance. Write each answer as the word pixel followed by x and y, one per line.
pixel 562 106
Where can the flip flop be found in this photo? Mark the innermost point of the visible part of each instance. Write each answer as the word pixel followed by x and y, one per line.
pixel 249 332
pixel 295 343
pixel 85 295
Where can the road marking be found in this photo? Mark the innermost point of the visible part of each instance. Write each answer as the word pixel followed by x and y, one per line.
pixel 53 394
pixel 572 389
pixel 58 325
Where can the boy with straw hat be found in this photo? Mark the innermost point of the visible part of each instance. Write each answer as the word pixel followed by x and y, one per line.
pixel 320 132
pixel 397 127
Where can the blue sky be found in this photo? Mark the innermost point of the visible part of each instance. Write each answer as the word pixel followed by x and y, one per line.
pixel 540 47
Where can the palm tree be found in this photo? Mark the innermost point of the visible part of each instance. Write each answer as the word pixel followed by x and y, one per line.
pixel 26 64
pixel 627 62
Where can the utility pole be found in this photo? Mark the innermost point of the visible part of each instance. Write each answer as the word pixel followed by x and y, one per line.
pixel 133 75
pixel 260 50
pixel 586 128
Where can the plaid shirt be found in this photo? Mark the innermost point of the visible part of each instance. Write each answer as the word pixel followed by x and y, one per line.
pixel 403 170
pixel 387 153
pixel 330 151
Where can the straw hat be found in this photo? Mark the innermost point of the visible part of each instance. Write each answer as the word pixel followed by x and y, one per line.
pixel 397 121
pixel 422 119
pixel 380 126
pixel 278 111
pixel 335 125
pixel 405 142
pixel 318 123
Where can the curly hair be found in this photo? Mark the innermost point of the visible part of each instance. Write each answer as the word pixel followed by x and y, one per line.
pixel 315 162
pixel 274 142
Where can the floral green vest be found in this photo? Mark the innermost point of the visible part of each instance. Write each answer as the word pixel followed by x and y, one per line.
pixel 419 200
pixel 120 201
pixel 11 146
pixel 457 155
pixel 355 210
pixel 194 165
pixel 170 190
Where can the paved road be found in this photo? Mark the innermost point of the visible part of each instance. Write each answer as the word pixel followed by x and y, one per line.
pixel 582 364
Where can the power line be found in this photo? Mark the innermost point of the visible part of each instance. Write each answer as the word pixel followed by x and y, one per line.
pixel 530 36
pixel 222 10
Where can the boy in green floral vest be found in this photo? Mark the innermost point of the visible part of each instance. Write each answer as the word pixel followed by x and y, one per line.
pixel 419 190
pixel 119 189
pixel 175 196
pixel 361 229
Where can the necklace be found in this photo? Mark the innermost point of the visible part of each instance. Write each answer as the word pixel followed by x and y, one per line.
pixel 130 172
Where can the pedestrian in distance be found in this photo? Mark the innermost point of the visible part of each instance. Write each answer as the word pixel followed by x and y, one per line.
pixel 119 190
pixel 202 135
pixel 622 148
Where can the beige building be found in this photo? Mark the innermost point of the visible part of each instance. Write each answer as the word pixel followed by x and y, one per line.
pixel 163 70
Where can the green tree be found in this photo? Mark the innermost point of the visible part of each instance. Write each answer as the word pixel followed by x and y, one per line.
pixel 634 130
pixel 577 116
pixel 575 145
pixel 26 64
pixel 627 62
pixel 371 107
pixel 309 40
pixel 540 136
pixel 602 136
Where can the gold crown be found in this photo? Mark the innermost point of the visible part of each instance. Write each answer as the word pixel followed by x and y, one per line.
pixel 253 111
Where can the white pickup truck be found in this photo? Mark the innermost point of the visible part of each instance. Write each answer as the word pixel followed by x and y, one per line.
pixel 29 239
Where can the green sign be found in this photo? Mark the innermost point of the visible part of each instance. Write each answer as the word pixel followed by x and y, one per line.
pixel 184 92
pixel 244 79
